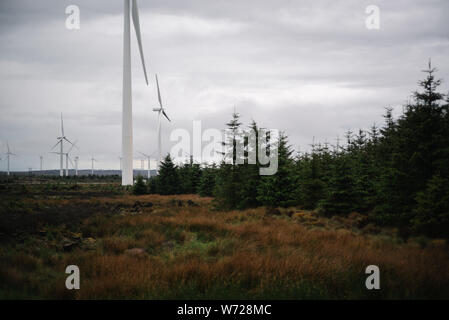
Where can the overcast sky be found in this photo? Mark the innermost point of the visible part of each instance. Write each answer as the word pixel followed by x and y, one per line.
pixel 310 68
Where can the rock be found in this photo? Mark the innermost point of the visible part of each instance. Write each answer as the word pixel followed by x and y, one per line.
pixel 136 252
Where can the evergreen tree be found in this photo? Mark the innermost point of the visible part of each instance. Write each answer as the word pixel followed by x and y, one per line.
pixel 432 211
pixel 207 182
pixel 279 189
pixel 415 150
pixel 168 178
pixel 249 173
pixel 190 175
pixel 309 181
pixel 153 183
pixel 228 179
pixel 139 186
pixel 340 197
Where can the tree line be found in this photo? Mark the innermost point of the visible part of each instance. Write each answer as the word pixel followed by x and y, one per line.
pixel 396 174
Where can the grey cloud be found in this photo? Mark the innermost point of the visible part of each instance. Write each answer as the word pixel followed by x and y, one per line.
pixel 310 68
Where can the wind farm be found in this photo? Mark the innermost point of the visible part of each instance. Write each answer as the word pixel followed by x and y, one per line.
pixel 126 159
pixel 256 151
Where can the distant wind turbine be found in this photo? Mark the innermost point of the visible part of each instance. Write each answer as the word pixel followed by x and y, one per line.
pixel 93 159
pixel 61 148
pixel 8 154
pixel 149 162
pixel 76 165
pixel 159 111
pixel 67 158
pixel 41 158
pixel 127 122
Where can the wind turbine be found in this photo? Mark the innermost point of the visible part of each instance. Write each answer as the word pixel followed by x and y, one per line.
pixel 159 111
pixel 127 122
pixel 149 162
pixel 61 150
pixel 93 159
pixel 41 158
pixel 76 165
pixel 8 154
pixel 67 159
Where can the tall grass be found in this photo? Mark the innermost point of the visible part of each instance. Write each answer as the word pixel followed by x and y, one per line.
pixel 194 252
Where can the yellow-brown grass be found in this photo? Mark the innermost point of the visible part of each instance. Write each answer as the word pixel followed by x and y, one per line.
pixel 194 252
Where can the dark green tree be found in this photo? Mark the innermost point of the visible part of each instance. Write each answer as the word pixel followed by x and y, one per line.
pixel 432 211
pixel 207 182
pixel 168 178
pixel 140 186
pixel 279 189
pixel 340 196
pixel 228 178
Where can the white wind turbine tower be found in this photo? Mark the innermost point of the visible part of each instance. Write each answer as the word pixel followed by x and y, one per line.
pixel 41 158
pixel 92 170
pixel 8 154
pixel 159 111
pixel 61 148
pixel 127 122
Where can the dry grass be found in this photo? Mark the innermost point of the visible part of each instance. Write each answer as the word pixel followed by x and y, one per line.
pixel 194 252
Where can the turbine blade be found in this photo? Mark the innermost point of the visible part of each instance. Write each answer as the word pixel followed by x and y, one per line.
pixel 163 112
pixel 67 140
pixel 158 92
pixel 135 15
pixel 56 144
pixel 70 149
pixel 62 125
pixel 70 161
pixel 73 145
